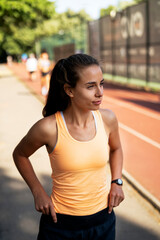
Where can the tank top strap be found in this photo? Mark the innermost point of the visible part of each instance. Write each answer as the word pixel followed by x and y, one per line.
pixel 60 122
pixel 100 123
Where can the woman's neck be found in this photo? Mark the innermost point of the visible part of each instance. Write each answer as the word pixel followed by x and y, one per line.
pixel 78 117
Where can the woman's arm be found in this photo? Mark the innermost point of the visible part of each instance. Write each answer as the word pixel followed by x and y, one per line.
pixel 116 195
pixel 37 136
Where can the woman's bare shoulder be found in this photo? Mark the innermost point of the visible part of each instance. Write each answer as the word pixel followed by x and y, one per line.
pixel 108 115
pixel 43 132
pixel 44 128
pixel 47 123
pixel 109 118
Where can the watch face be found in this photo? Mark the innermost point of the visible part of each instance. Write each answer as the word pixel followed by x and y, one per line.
pixel 119 181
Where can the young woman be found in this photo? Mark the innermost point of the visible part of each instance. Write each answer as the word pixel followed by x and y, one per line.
pixel 80 139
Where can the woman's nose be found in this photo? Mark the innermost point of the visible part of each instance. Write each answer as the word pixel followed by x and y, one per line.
pixel 99 92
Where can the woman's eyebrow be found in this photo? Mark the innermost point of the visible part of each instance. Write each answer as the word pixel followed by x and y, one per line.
pixel 90 83
pixel 93 82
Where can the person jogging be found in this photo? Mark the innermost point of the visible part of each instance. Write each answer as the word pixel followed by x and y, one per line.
pixel 44 66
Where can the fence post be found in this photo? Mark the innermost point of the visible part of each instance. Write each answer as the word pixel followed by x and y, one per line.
pixel 128 44
pixel 113 17
pixel 147 41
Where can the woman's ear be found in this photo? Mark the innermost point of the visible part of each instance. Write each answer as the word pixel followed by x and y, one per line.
pixel 68 90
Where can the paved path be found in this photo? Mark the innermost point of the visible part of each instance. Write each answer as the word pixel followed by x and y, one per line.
pixel 19 109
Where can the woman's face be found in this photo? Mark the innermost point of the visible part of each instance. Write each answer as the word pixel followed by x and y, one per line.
pixel 88 92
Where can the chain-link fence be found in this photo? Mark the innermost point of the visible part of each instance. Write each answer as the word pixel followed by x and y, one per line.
pixel 128 45
pixel 63 51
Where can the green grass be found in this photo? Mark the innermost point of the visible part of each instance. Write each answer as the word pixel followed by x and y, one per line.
pixel 133 82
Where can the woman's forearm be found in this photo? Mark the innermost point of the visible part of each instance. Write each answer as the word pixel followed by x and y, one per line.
pixel 116 163
pixel 43 202
pixel 27 172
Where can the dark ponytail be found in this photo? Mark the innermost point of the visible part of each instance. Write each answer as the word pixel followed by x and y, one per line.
pixel 65 71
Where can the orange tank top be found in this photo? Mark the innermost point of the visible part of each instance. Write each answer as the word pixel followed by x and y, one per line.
pixel 79 170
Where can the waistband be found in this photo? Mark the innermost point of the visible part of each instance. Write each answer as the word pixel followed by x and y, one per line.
pixel 80 222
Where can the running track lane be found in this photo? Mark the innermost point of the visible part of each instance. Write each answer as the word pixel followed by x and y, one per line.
pixel 140 135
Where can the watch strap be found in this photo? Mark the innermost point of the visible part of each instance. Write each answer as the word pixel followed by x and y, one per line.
pixel 118 181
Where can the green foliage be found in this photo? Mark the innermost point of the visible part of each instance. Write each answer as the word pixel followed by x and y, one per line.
pixel 75 27
pixel 121 6
pixel 71 28
pixel 106 11
pixel 139 1
pixel 124 4
pixel 22 22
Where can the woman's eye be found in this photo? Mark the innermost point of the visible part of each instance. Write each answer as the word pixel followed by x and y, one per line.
pixel 90 86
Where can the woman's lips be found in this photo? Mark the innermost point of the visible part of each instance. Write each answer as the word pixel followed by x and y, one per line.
pixel 97 102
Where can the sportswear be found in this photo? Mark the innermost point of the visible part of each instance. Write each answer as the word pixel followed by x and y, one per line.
pixel 79 170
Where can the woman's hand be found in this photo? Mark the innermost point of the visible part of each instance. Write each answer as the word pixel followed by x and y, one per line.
pixel 116 196
pixel 44 204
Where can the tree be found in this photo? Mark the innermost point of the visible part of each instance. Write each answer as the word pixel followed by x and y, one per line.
pixel 22 22
pixel 139 1
pixel 71 28
pixel 121 6
pixel 106 11
pixel 124 4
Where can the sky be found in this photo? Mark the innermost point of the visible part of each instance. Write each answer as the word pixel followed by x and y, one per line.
pixel 92 7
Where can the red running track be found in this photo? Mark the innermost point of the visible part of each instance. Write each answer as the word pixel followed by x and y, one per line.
pixel 138 113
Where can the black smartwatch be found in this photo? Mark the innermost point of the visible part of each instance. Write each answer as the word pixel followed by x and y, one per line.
pixel 118 181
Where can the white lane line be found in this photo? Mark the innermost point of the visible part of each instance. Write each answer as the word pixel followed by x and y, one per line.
pixel 131 107
pixel 139 135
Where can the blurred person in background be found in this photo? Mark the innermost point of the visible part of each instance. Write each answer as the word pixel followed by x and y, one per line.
pixel 31 66
pixel 24 57
pixel 80 139
pixel 9 60
pixel 44 66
